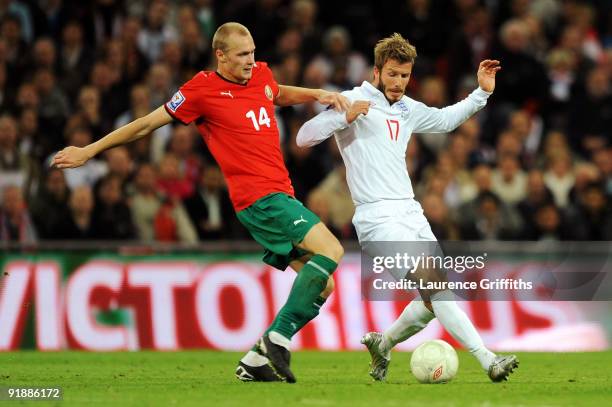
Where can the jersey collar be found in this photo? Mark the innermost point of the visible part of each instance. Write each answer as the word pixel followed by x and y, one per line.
pixel 227 80
pixel 375 93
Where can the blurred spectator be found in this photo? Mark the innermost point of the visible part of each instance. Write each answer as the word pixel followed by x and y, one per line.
pixel 155 217
pixel 75 59
pixel 509 181
pixel 49 208
pixel 15 222
pixel 548 224
pixel 182 147
pixel 304 17
pixel 112 219
pixel 159 81
pixel 120 164
pixel 537 196
pixel 319 204
pixel 341 209
pixel 603 160
pixel 195 50
pixel 92 171
pixel 80 224
pixel 585 174
pixel 348 68
pixel 591 114
pixel 210 208
pixel 16 168
pixel 433 93
pixel 136 63
pixel 14 46
pixel 306 166
pixel 520 68
pixel 53 108
pixel 592 215
pixel 482 181
pixel 170 181
pixel 469 45
pixel 156 31
pixel 487 218
pixel 437 214
pixel 559 177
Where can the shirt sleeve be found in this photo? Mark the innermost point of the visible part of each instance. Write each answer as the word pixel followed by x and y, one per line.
pixel 321 127
pixel 273 83
pixel 434 120
pixel 185 104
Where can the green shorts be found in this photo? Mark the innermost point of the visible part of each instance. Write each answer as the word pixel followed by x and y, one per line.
pixel 279 223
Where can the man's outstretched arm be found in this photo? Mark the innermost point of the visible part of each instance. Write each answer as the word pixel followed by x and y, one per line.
pixel 293 95
pixel 71 157
pixel 325 124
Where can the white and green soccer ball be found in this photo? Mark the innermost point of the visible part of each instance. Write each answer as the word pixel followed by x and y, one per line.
pixel 434 361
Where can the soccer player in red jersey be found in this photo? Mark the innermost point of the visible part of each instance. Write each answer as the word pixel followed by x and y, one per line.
pixel 233 109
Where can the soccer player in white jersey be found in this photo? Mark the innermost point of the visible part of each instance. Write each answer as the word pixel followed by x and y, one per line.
pixel 372 137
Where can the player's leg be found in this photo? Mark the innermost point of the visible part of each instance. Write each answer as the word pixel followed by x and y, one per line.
pixel 460 327
pixel 304 299
pixel 288 230
pixel 297 265
pixel 256 367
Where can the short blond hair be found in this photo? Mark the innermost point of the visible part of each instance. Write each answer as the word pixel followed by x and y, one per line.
pixel 219 40
pixel 394 47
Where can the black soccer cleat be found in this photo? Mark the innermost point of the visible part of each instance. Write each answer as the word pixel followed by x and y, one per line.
pixel 279 357
pixel 263 373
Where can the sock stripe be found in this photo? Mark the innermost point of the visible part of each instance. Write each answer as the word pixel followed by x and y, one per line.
pixel 316 266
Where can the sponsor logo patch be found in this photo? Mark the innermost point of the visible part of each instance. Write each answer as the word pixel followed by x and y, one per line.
pixel 176 101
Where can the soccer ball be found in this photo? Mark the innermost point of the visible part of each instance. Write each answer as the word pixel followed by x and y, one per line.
pixel 434 362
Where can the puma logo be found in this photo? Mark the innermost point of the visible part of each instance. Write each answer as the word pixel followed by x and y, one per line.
pixel 228 93
pixel 296 222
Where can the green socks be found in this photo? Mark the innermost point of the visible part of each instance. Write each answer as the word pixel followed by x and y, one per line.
pixel 304 299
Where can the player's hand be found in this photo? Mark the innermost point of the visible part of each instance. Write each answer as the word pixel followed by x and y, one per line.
pixel 358 107
pixel 70 157
pixel 486 74
pixel 335 99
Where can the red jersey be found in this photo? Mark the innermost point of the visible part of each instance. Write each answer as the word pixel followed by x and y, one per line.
pixel 238 125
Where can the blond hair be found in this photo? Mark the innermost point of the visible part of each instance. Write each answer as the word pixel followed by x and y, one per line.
pixel 219 40
pixel 394 47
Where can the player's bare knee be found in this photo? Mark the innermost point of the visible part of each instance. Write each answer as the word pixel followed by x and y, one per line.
pixel 334 251
pixel 329 288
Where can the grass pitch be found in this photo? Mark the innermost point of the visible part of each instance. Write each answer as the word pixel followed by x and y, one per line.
pixel 206 378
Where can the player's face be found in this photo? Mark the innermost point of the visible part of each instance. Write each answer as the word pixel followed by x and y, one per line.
pixel 237 63
pixel 393 79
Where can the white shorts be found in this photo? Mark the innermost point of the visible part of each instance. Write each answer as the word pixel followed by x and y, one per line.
pixel 392 221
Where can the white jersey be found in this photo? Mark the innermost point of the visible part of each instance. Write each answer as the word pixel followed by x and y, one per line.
pixel 374 145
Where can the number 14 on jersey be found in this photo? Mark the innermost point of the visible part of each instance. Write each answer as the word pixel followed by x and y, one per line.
pixel 264 119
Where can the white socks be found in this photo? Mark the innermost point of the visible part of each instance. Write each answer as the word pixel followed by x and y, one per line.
pixel 413 319
pixel 279 339
pixel 254 359
pixel 456 323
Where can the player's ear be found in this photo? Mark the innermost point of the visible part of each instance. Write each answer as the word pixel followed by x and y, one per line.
pixel 220 55
pixel 376 74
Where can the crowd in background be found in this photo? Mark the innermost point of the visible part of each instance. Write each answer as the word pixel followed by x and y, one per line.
pixel 535 164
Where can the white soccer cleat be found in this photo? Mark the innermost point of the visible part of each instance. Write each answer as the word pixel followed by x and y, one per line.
pixel 502 366
pixel 380 357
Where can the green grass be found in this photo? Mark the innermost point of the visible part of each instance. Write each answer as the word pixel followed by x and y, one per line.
pixel 205 378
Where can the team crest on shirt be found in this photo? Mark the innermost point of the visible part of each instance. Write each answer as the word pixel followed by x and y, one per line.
pixel 176 101
pixel 401 105
pixel 268 91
